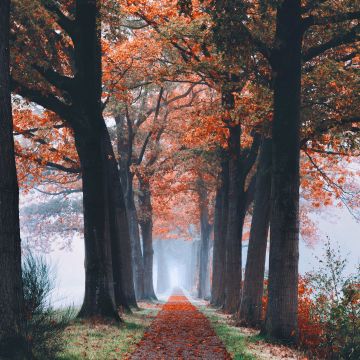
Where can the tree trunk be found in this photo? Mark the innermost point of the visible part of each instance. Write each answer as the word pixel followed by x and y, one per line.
pixel 251 302
pixel 220 227
pixel 124 148
pixel 137 254
pixel 107 242
pixel 11 293
pixel 281 316
pixel 121 245
pixel 99 290
pixel 234 225
pixel 146 224
pixel 204 239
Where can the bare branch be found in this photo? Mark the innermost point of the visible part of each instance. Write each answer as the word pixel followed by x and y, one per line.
pixel 63 192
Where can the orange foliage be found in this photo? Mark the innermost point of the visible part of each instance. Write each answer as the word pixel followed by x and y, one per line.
pixel 312 330
pixel 44 143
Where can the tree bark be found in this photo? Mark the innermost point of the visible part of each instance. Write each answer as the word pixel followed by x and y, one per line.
pixel 137 253
pixel 81 108
pixel 99 277
pixel 107 243
pixel 234 225
pixel 146 224
pixel 205 229
pixel 220 227
pixel 281 316
pixel 124 147
pixel 121 245
pixel 251 302
pixel 11 293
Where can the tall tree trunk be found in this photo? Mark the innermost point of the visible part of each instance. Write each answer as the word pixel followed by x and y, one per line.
pixel 137 253
pixel 124 148
pixel 107 242
pixel 84 114
pixel 146 224
pixel 234 225
pixel 99 290
pixel 220 227
pixel 11 293
pixel 281 316
pixel 163 279
pixel 204 239
pixel 251 302
pixel 121 245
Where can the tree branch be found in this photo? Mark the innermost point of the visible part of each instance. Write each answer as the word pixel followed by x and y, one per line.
pixel 50 164
pixel 331 19
pixel 60 81
pixel 349 37
pixel 130 136
pixel 63 192
pixel 329 124
pixel 50 148
pixel 67 24
pixel 29 131
pixel 143 149
pixel 250 192
pixel 47 101
pixel 260 45
pixel 252 153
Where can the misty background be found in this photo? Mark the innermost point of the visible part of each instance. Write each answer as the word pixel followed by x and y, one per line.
pixel 338 224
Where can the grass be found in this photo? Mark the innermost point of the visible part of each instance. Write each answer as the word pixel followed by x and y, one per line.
pixel 234 341
pixel 104 341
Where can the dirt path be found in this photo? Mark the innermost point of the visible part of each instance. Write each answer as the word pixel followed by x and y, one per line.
pixel 180 331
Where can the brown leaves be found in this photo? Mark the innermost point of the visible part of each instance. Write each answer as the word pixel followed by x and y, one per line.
pixel 180 331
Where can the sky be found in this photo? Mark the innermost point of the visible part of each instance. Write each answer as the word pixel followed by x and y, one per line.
pixel 340 226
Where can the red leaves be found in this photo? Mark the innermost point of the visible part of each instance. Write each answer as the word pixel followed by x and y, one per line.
pixel 311 333
pixel 180 331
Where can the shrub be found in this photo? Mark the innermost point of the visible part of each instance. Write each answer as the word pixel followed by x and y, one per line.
pixel 44 326
pixel 329 309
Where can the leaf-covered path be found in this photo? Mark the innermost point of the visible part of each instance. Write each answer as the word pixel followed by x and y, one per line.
pixel 180 331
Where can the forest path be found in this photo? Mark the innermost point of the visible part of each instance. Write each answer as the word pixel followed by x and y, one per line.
pixel 180 331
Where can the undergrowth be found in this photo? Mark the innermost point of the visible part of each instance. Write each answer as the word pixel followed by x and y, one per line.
pixel 234 341
pixel 103 341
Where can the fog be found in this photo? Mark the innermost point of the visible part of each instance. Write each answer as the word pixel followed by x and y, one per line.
pixel 178 267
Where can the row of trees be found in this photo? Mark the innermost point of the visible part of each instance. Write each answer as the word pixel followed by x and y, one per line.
pixel 214 109
pixel 278 53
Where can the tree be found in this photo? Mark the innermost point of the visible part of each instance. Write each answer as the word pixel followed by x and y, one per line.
pixel 288 24
pixel 11 291
pixel 219 252
pixel 205 229
pixel 286 62
pixel 251 301
pixel 125 140
pixel 71 86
